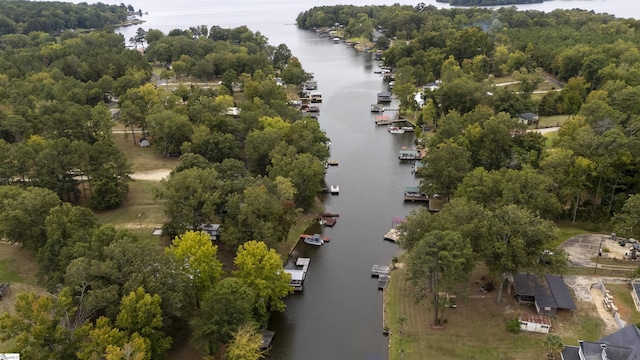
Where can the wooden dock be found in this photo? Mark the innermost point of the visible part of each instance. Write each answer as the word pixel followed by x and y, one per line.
pixel 331 162
pixel 327 221
pixel 304 236
pixel 392 235
pixel 267 337
pixel 383 120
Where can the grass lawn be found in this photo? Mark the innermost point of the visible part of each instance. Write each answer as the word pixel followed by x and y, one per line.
pixel 17 267
pixel 142 159
pixel 552 121
pixel 622 299
pixel 476 329
pixel 140 212
pixel 564 231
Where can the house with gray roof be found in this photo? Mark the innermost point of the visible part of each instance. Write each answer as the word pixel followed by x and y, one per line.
pixel 623 344
pixel 548 293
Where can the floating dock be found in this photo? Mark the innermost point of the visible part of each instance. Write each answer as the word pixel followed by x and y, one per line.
pixel 331 162
pixel 334 190
pixel 383 120
pixel 328 219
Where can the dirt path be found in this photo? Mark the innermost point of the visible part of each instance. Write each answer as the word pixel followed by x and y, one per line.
pixel 606 316
pixel 153 175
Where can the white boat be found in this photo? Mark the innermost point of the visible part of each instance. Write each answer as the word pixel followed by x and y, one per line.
pixel 316 240
pixel 335 189
pixel 395 130
pixel 408 128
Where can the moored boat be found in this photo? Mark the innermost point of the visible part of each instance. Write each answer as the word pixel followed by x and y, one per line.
pixel 316 240
pixel 395 130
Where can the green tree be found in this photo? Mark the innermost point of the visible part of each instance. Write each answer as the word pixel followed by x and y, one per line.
pixel 224 310
pixel 245 345
pixel 194 253
pixel 553 344
pixel 515 242
pixel 440 260
pixel 446 166
pixel 41 327
pixel 140 313
pixel 169 131
pixel 305 171
pixel 23 213
pixel 66 226
pixel 260 268
pixel 625 223
pixel 192 196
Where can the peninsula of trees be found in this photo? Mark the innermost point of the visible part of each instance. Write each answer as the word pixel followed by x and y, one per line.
pixel 114 294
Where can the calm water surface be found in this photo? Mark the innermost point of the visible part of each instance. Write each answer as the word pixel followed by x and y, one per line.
pixel 339 313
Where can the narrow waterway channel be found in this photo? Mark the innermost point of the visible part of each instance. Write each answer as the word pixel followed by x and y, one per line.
pixel 339 313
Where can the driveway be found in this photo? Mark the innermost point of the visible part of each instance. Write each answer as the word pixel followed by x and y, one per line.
pixel 582 248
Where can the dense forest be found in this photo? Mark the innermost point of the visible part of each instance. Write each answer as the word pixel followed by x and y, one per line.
pixel 504 186
pixel 117 295
pixel 24 17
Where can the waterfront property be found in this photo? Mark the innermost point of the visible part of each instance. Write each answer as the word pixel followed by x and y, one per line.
pixel 416 168
pixel 413 193
pixel 394 233
pixel 328 219
pixel 548 293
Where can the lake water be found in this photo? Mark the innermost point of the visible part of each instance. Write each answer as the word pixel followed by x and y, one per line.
pixel 339 313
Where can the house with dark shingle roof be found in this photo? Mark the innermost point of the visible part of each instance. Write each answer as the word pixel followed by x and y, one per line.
pixel 548 293
pixel 623 344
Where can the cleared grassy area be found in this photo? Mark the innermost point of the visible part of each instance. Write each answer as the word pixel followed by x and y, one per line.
pixel 476 329
pixel 140 212
pixel 551 121
pixel 142 159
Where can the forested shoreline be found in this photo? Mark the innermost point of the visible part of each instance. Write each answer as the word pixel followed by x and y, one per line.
pixel 255 171
pixel 115 293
